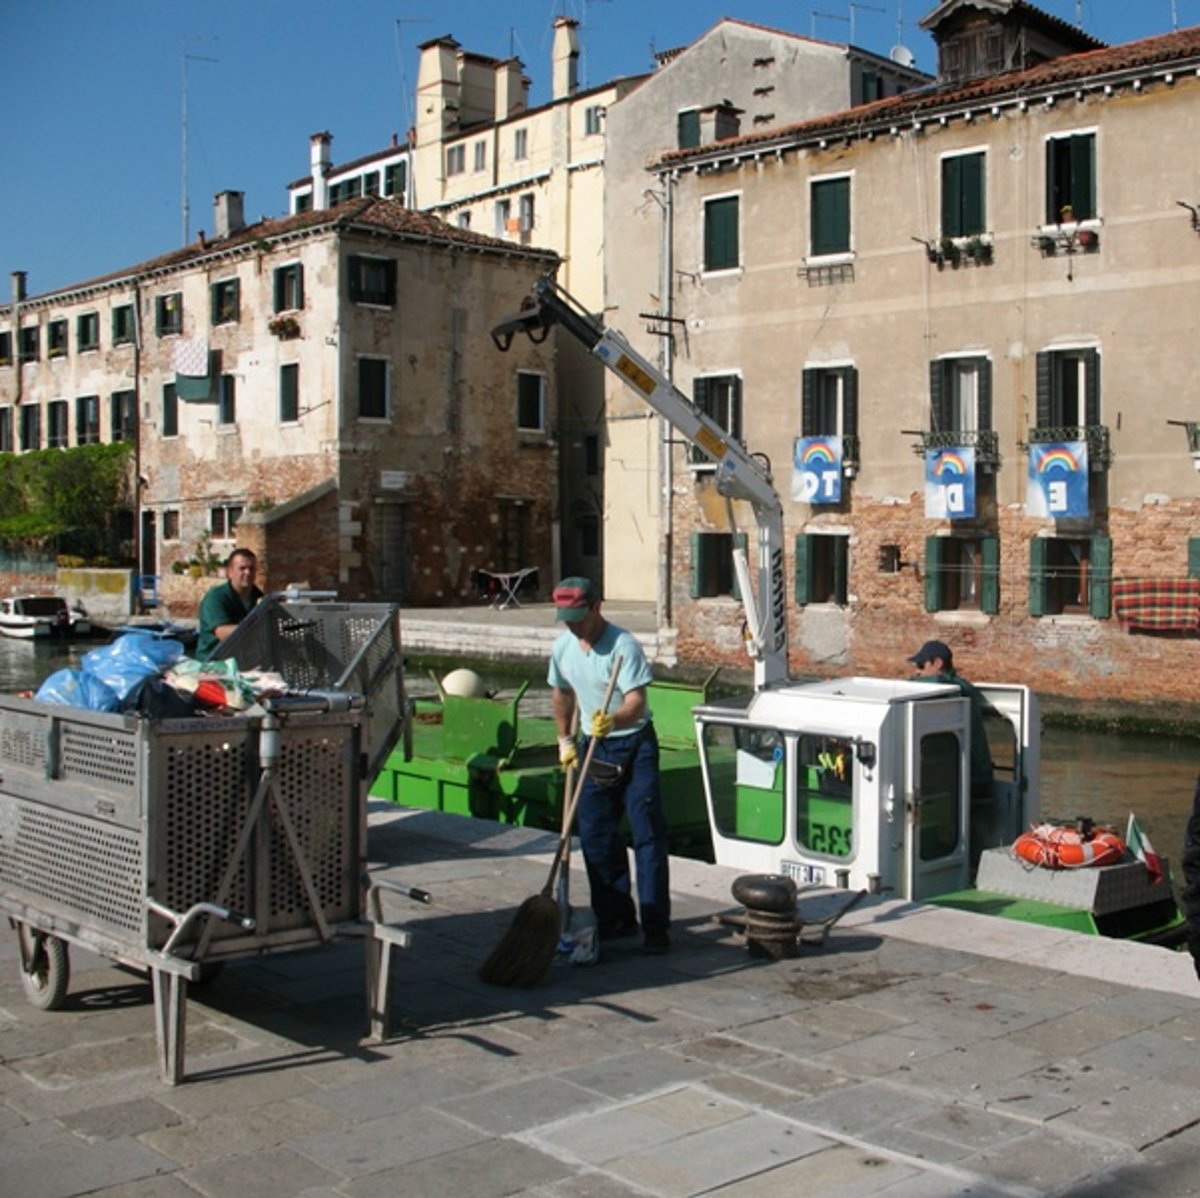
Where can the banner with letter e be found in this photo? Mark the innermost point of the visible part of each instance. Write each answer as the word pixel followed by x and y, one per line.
pixel 950 483
pixel 817 470
pixel 1058 480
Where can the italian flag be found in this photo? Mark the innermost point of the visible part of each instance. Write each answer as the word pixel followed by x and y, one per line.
pixel 1140 846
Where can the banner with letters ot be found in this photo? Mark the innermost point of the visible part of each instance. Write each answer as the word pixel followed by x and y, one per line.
pixel 817 470
pixel 950 483
pixel 1058 479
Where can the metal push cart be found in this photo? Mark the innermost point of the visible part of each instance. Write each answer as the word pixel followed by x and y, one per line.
pixel 175 845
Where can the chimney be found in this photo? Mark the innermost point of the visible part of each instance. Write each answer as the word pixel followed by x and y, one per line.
pixel 438 91
pixel 719 121
pixel 229 215
pixel 566 58
pixel 18 286
pixel 512 89
pixel 318 145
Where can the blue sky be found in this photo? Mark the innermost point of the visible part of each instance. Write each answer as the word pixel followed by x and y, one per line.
pixel 92 94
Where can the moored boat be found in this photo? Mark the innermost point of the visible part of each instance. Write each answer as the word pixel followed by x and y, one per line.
pixel 35 617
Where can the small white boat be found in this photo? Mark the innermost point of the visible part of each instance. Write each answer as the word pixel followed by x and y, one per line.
pixel 32 617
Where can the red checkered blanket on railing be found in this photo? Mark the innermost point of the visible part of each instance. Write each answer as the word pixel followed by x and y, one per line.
pixel 1161 604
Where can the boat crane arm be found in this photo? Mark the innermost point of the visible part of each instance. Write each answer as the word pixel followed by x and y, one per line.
pixel 739 474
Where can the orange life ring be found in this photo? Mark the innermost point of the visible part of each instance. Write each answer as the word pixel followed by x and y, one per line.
pixel 1055 846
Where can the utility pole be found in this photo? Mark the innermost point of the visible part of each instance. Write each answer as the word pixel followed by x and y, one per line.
pixel 186 58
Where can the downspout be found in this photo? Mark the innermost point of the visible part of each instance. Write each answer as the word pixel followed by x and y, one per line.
pixel 18 294
pixel 666 518
pixel 137 429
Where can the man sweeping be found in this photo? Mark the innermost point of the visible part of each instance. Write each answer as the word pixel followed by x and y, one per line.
pixel 622 778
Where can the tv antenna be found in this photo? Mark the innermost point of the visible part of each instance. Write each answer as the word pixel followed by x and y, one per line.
pixel 854 6
pixel 404 89
pixel 826 16
pixel 186 58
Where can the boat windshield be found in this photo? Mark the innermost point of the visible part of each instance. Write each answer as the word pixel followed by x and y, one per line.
pixel 41 605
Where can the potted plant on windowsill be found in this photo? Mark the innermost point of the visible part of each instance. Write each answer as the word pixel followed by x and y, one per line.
pixel 284 327
pixel 979 248
pixel 1087 239
pixel 949 250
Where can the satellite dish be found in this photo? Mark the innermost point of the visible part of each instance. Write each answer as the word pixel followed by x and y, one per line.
pixel 902 55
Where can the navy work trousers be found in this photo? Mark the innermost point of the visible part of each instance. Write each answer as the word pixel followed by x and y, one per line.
pixel 636 796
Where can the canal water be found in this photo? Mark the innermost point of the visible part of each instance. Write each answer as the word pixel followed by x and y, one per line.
pixel 1099 774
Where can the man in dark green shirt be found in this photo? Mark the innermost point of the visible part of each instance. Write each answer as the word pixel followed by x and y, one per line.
pixel 935 663
pixel 228 603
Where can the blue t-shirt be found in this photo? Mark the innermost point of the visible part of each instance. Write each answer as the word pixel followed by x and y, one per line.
pixel 587 673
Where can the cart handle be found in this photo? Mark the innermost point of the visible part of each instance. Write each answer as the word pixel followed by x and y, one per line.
pixel 375 885
pixel 183 923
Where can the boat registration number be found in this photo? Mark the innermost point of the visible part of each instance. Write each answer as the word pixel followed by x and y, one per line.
pixel 807 875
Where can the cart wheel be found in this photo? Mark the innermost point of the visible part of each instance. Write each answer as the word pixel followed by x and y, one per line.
pixel 49 969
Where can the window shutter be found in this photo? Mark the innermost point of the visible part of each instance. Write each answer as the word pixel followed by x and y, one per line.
pixel 802 570
pixel 1052 183
pixel 952 196
pixel 1045 389
pixel 1100 578
pixel 735 407
pixel 937 404
pixel 721 234
pixel 933 573
pixel 389 268
pixel 850 401
pixel 808 403
pixel 688 129
pixel 354 271
pixel 989 599
pixel 1037 576
pixel 973 217
pixel 1083 176
pixel 830 216
pixel 985 394
pixel 278 291
pixel 1091 387
pixel 739 541
pixel 699 549
pixel 841 568
pixel 1194 557
pixel 214 315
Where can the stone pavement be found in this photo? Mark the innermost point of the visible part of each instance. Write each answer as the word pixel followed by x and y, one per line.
pixel 918 1053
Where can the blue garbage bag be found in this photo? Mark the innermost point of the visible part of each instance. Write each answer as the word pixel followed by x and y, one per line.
pixel 123 663
pixel 78 688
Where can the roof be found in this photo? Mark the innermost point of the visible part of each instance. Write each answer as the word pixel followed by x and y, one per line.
pixel 364 214
pixel 1161 52
pixel 1028 14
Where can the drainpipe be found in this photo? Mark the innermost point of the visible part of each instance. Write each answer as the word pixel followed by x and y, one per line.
pixel 18 294
pixel 137 428
pixel 666 518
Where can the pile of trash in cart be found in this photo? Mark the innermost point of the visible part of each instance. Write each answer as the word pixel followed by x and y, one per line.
pixel 150 675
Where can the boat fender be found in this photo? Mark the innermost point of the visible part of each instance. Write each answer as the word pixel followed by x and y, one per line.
pixel 464 683
pixel 1055 846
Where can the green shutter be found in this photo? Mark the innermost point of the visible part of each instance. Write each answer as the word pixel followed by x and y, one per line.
pixel 830 217
pixel 1045 389
pixel 1100 578
pixel 688 129
pixel 952 196
pixel 697 565
pixel 933 573
pixel 1083 176
pixel 937 401
pixel 1051 181
pixel 973 217
pixel 989 599
pixel 278 290
pixel 721 233
pixel 1091 387
pixel 1194 557
pixel 802 570
pixel 808 403
pixel 985 394
pixel 850 401
pixel 841 570
pixel 1037 576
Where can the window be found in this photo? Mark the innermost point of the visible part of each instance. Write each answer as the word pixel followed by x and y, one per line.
pixel 962 574
pixel 392 551
pixel 829 404
pixel 6 348
pixel 593 117
pixel 170 411
pixel 6 430
pixel 57 424
pixel 87 331
pixel 687 129
pixel 168 314
pixel 481 155
pixel 222 521
pixel 463 220
pixel 720 398
pixel 56 339
pixel 872 87
pixel 395 179
pixel 822 568
pixel 746 777
pixel 514 529
pixel 122 324
pixel 370 183
pixel 170 524
pixel 1070 178
pixel 31 427
pixel 830 216
pixel 372 389
pixel 960 394
pixel 721 251
pixel 227 400
pixel 1070 575
pixel 372 280
pixel 456 160
pixel 531 402
pixel 123 413
pixel 503 216
pixel 30 344
pixel 225 301
pixel 289 393
pixel 520 144
pixel 591 455
pixel 964 204
pixel 87 419
pixel 346 189
pixel 289 287
pixel 525 207
pixel 712 565
pixel 303 202
pixel 1068 391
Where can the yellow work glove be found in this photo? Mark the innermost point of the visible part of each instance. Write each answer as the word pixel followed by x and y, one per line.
pixel 568 754
pixel 602 724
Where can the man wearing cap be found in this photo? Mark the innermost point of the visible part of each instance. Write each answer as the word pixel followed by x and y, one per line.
pixel 623 777
pixel 935 663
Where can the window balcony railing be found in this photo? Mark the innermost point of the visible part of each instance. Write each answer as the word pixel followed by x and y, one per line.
pixel 984 441
pixel 1096 436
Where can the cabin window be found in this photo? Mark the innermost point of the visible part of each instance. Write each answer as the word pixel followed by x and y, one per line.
pixel 746 775
pixel 940 829
pixel 825 794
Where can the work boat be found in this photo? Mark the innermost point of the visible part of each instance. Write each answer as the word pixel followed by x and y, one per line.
pixel 33 617
pixel 863 783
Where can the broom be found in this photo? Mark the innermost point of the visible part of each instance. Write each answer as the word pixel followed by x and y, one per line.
pixel 524 955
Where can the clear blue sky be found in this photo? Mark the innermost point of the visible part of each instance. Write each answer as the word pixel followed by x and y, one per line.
pixel 92 94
